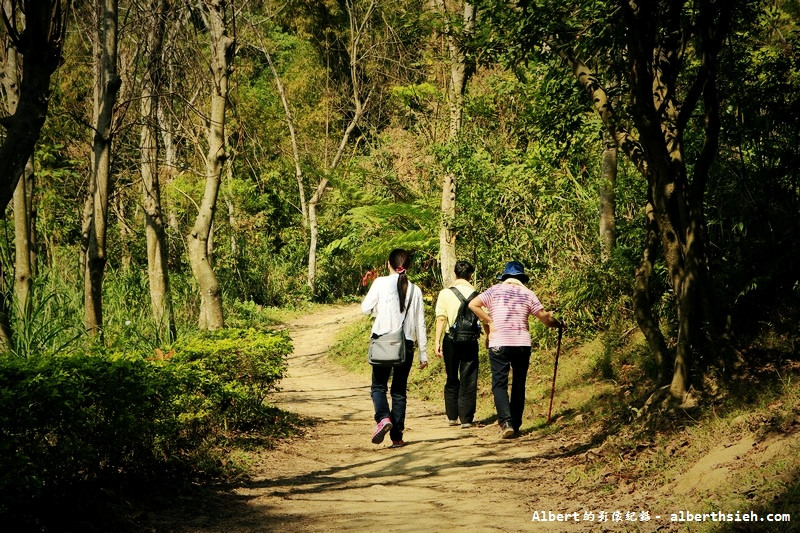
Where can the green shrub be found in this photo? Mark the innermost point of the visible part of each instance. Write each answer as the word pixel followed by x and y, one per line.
pixel 251 362
pixel 94 419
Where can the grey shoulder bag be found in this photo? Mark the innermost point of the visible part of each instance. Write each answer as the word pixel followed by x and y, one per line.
pixel 389 349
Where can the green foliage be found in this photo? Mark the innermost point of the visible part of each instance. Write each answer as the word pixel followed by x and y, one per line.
pixel 252 359
pixel 91 418
pixel 378 228
pixel 53 322
pixel 46 330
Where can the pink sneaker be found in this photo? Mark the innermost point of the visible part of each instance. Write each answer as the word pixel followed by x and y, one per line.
pixel 397 444
pixel 383 427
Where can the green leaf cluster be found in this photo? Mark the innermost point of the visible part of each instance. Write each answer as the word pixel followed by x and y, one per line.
pixel 96 418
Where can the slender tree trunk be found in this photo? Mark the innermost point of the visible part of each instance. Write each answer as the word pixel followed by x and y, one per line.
pixel 126 234
pixel 642 305
pixel 608 207
pixel 298 170
pixel 107 85
pixel 36 30
pixel 23 241
pixel 460 71
pixel 359 105
pixel 23 194
pixel 157 252
pixel 222 50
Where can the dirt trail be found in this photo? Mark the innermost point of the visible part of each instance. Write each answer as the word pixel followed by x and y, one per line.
pixel 334 479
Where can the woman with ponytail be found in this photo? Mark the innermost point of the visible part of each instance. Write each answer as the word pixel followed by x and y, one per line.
pixel 393 301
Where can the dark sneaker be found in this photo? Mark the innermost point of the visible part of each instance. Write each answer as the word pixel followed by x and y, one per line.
pixel 506 431
pixel 383 427
pixel 397 444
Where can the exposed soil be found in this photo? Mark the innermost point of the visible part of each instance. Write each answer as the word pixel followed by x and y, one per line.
pixel 334 479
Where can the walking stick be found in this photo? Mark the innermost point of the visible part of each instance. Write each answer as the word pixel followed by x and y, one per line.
pixel 555 370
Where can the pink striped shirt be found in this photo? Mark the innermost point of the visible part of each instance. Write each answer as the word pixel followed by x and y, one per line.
pixel 510 304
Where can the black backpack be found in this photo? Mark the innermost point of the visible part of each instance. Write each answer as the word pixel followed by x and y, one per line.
pixel 465 327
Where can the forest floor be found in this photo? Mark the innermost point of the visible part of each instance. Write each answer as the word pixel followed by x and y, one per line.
pixel 332 478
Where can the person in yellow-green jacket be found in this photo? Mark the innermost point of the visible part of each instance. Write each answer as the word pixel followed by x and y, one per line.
pixel 457 332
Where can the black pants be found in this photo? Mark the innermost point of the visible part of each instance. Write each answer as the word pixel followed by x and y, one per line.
pixel 516 359
pixel 461 387
pixel 380 385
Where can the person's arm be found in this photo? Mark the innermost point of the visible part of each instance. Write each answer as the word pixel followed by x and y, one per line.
pixel 441 323
pixel 422 336
pixel 476 306
pixel 370 300
pixel 548 319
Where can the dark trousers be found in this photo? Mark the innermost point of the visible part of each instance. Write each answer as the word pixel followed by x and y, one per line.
pixel 516 359
pixel 380 384
pixel 461 387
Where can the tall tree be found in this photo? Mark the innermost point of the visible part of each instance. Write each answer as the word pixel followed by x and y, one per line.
pixel 461 68
pixel 359 22
pixel 38 37
pixel 107 84
pixel 23 194
pixel 152 86
pixel 199 239
pixel 35 34
pixel 668 55
pixel 608 184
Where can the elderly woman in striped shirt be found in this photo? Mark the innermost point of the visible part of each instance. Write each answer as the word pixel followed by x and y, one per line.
pixel 504 308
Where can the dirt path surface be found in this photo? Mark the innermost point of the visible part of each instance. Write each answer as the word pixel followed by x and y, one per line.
pixel 335 479
pixel 446 478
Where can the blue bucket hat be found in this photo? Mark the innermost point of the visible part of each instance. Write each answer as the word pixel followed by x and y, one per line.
pixel 514 269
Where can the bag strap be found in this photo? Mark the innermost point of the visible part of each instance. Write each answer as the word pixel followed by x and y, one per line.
pixel 464 302
pixel 408 304
pixel 461 296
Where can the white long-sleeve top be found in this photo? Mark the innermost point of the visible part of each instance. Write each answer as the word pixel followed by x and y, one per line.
pixel 383 302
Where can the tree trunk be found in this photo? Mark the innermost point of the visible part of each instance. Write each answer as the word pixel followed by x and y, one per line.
pixel 222 50
pixel 460 71
pixel 298 171
pixel 608 207
pixel 642 305
pixel 23 194
pixel 39 44
pixel 107 84
pixel 313 231
pixel 157 251
pixel 23 241
pixel 126 233
pixel 359 105
pixel 661 115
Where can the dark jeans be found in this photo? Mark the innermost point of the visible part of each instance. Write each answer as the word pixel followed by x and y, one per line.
pixel 460 393
pixel 380 384
pixel 503 359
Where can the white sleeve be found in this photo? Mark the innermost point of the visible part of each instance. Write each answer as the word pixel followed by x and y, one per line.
pixel 422 337
pixel 371 299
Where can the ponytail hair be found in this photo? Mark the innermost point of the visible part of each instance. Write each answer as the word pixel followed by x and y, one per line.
pixel 400 260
